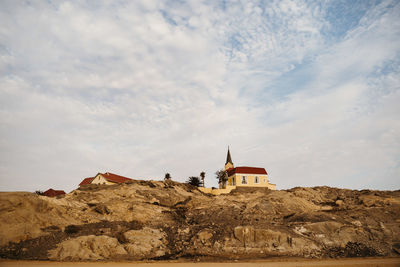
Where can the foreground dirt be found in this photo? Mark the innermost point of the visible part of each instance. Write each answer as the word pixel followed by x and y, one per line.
pixel 388 262
pixel 156 220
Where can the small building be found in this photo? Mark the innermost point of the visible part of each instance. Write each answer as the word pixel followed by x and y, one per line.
pixel 241 176
pixel 53 193
pixel 248 177
pixel 244 176
pixel 107 178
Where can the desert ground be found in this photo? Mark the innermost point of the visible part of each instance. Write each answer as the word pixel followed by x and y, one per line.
pixel 364 262
pixel 168 221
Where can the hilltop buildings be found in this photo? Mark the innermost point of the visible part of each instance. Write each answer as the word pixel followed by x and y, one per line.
pixel 107 178
pixel 53 193
pixel 243 176
pixel 232 177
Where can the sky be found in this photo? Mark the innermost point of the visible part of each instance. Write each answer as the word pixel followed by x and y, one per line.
pixel 309 90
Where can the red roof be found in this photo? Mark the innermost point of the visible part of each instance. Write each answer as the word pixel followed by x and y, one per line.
pixel 53 193
pixel 87 181
pixel 108 176
pixel 115 178
pixel 246 170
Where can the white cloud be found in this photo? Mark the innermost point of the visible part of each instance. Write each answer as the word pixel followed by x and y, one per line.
pixel 144 88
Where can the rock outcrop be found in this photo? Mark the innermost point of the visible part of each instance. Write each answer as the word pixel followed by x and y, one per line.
pixel 156 220
pixel 89 247
pixel 146 243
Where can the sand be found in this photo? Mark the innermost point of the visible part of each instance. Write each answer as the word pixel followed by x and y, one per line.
pixel 369 262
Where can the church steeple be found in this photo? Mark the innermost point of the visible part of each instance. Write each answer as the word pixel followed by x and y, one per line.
pixel 228 157
pixel 228 163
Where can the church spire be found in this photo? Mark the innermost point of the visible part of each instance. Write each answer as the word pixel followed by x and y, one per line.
pixel 228 157
pixel 229 163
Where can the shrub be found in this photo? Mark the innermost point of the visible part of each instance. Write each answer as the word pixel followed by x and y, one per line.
pixel 193 180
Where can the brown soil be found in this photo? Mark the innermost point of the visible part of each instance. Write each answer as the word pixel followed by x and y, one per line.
pixel 319 222
pixel 370 262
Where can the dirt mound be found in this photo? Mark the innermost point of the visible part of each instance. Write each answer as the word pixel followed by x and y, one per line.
pixel 157 220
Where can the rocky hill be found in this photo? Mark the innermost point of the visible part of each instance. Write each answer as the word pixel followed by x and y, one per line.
pixel 157 220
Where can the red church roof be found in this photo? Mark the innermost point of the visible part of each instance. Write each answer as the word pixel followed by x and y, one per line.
pixel 53 193
pixel 246 170
pixel 87 181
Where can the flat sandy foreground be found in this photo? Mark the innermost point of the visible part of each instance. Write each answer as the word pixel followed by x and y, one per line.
pixel 370 262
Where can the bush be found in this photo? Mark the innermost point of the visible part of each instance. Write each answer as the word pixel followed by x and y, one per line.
pixel 193 180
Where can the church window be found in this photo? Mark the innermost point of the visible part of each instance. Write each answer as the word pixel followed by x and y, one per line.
pixel 256 180
pixel 233 180
pixel 244 180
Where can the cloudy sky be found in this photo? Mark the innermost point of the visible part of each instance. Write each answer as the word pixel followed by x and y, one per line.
pixel 310 90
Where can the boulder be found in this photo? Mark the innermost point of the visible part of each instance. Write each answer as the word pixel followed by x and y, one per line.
pixel 339 202
pixel 204 236
pixel 356 223
pixel 333 233
pixel 88 248
pixel 245 234
pixel 372 201
pixel 146 243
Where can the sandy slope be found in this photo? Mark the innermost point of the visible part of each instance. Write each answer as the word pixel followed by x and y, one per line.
pixel 387 262
pixel 157 220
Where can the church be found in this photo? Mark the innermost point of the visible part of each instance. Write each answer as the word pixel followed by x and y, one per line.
pixel 243 176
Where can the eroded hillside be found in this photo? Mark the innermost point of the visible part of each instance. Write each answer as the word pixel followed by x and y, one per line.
pixel 157 220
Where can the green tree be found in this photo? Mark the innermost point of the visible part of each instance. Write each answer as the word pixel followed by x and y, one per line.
pixel 167 176
pixel 194 180
pixel 202 176
pixel 222 177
